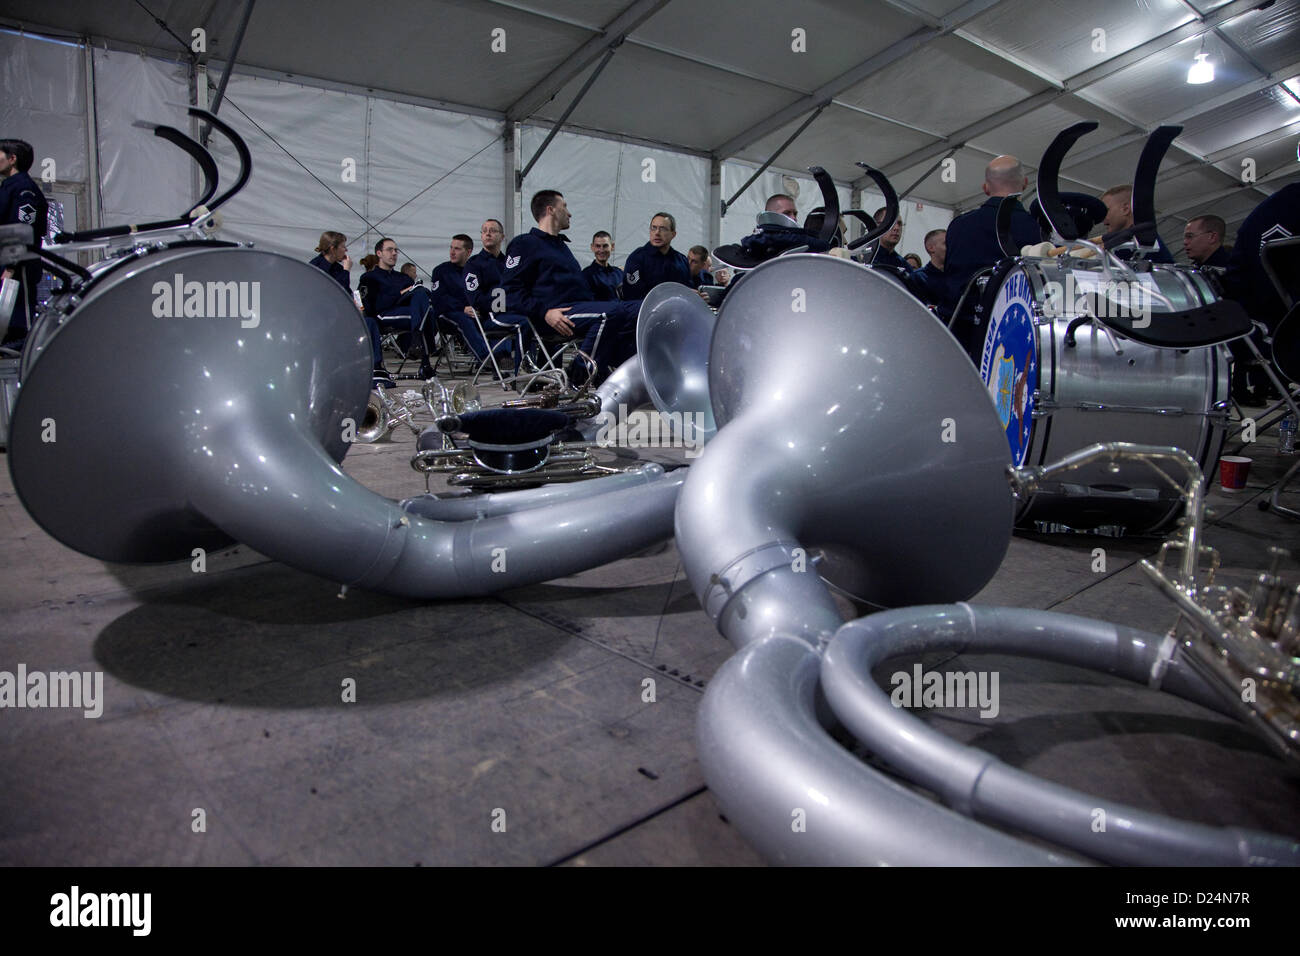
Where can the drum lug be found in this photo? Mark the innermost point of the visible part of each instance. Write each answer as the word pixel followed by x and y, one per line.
pixel 1043 406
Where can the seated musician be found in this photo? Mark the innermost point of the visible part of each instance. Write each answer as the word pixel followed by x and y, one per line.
pixel 888 252
pixel 449 291
pixel 1203 240
pixel 1119 215
pixel 385 292
pixel 655 262
pixel 544 282
pixel 930 278
pixel 333 258
pixel 697 257
pixel 972 238
pixel 605 280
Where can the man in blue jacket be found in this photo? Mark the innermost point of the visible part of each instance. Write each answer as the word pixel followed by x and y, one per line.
pixel 655 262
pixel 544 282
pixel 21 201
pixel 1119 215
pixel 972 238
pixel 605 280
pixel 385 291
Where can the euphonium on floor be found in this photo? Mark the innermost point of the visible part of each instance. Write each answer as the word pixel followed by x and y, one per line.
pixel 255 365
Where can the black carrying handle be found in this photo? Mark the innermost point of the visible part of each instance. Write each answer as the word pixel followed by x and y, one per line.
pixel 206 163
pixel 1007 242
pixel 830 203
pixel 1049 172
pixel 1144 183
pixel 877 230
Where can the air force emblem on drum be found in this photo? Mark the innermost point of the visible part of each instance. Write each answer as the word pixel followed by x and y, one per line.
pixel 512 261
pixel 1010 362
pixel 26 212
pixel 471 282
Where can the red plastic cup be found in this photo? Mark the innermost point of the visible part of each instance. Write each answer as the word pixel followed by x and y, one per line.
pixel 1233 470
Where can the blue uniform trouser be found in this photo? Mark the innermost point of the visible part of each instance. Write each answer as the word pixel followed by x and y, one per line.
pixel 474 338
pixel 411 306
pixel 617 341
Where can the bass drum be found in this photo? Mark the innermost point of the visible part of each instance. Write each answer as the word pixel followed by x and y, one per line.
pixel 1054 398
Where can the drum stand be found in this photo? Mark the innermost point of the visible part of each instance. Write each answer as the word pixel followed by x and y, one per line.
pixel 1273 502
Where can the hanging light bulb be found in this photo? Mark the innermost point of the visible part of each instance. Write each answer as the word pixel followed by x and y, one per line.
pixel 1202 71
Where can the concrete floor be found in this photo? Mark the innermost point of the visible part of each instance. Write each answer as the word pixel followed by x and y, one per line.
pixel 223 705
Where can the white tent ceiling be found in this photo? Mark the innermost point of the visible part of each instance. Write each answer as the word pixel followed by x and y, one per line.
pixel 904 83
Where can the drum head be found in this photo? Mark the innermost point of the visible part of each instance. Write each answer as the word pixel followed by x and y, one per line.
pixel 1009 362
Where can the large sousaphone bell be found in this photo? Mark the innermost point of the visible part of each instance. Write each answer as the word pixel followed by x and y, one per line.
pixel 245 434
pixel 671 367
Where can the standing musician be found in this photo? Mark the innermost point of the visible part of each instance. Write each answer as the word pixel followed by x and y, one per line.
pixel 1203 240
pixel 888 255
pixel 21 201
pixel 972 238
pixel 655 262
pixel 333 258
pixel 544 282
pixel 785 205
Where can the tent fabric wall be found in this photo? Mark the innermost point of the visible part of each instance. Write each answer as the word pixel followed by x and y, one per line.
pixel 417 174
pixel 43 101
pixel 617 187
pixel 142 178
pixel 367 160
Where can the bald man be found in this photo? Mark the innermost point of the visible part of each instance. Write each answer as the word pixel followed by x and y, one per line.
pixel 1119 215
pixel 972 239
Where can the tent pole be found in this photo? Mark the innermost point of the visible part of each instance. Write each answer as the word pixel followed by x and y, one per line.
pixel 609 55
pixel 771 159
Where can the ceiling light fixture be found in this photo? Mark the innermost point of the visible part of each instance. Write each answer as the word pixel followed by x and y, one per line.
pixel 1202 71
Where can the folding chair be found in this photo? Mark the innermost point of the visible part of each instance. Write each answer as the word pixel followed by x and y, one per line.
pixel 552 349
pixel 396 324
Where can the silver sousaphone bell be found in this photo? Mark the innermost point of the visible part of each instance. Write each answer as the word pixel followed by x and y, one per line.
pixel 246 435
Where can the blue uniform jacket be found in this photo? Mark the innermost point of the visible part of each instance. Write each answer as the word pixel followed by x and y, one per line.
pixel 542 274
pixel 447 289
pixel 381 290
pixel 1276 217
pixel 605 282
pixel 886 257
pixel 935 285
pixel 973 242
pixel 647 267
pixel 483 274
pixel 334 270
pixel 21 200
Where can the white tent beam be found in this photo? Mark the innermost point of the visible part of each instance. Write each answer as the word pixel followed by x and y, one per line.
pixel 825 94
pixel 611 36
pixel 1073 84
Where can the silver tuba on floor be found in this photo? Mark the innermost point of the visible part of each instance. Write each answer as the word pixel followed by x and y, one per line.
pixel 850 421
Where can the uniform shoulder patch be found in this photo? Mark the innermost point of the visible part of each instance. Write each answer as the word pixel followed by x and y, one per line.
pixel 26 212
pixel 471 282
pixel 512 261
pixel 634 277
